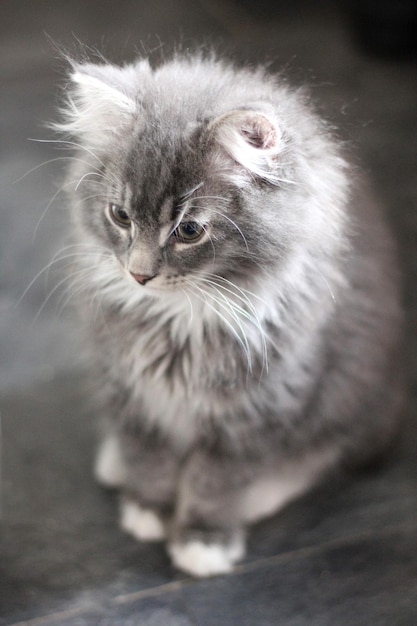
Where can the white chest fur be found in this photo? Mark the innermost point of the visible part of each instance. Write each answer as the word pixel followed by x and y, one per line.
pixel 177 359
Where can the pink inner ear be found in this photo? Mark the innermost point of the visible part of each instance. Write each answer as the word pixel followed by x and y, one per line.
pixel 259 132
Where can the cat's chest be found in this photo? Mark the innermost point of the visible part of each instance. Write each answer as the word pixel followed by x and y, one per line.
pixel 174 379
pixel 172 352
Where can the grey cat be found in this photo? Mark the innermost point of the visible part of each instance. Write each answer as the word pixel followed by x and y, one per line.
pixel 240 291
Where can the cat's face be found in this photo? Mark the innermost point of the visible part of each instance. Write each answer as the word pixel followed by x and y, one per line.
pixel 183 180
pixel 176 198
pixel 168 220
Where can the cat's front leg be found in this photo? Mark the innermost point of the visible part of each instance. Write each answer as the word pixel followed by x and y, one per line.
pixel 143 523
pixel 149 495
pixel 110 469
pixel 219 494
pixel 207 536
pixel 145 469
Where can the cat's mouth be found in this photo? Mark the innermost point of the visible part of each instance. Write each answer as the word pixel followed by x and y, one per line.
pixel 142 281
pixel 157 285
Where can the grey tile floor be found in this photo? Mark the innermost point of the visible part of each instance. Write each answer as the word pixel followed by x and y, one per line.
pixel 345 554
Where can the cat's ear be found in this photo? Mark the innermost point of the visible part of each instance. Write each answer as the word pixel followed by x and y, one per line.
pixel 248 144
pixel 100 104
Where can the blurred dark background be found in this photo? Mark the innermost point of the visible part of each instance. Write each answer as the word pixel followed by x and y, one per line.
pixel 340 557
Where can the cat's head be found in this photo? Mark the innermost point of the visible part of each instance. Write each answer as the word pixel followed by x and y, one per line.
pixel 187 173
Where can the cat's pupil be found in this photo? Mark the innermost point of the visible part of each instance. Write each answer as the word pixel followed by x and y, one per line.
pixel 190 231
pixel 189 228
pixel 119 215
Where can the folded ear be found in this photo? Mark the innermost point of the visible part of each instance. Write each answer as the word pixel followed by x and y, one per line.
pixel 101 102
pixel 251 141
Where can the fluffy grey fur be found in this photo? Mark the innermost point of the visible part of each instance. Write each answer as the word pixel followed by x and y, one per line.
pixel 241 294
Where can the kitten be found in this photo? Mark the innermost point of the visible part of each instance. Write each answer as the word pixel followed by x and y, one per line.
pixel 240 291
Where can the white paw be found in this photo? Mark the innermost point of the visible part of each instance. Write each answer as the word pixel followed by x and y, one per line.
pixel 143 524
pixel 109 468
pixel 200 559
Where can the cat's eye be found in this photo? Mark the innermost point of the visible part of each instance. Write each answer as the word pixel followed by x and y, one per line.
pixel 119 216
pixel 188 232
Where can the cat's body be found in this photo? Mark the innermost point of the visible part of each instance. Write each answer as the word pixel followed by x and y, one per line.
pixel 242 296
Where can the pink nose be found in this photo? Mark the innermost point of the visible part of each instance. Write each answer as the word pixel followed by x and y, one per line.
pixel 141 278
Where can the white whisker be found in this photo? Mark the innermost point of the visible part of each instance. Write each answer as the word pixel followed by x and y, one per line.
pixel 44 212
pixel 68 293
pixel 190 193
pixel 177 221
pixel 251 315
pixel 236 226
pixel 69 143
pixel 57 259
pixel 222 198
pixel 245 292
pixel 56 159
pixel 241 337
pixel 51 293
pixel 226 217
pixel 191 308
pixel 85 176
pixel 77 278
pixel 326 283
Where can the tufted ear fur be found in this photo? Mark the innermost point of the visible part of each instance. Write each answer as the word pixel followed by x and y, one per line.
pixel 252 140
pixel 101 102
